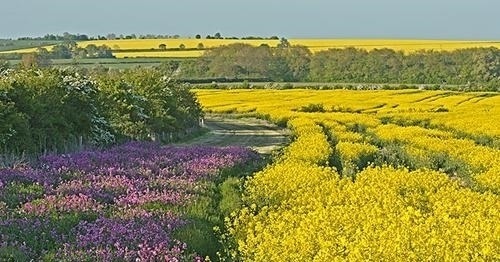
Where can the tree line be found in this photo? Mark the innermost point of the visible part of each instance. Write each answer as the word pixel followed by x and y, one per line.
pixel 112 36
pixel 66 50
pixel 70 49
pixel 51 109
pixel 474 68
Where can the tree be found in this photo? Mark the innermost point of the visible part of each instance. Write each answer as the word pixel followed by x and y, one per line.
pixel 104 51
pixel 283 43
pixel 162 47
pixel 292 63
pixel 92 51
pixel 66 36
pixel 201 46
pixel 33 60
pixel 239 60
pixel 182 46
pixel 61 51
pixel 217 36
pixel 82 37
pixel 198 37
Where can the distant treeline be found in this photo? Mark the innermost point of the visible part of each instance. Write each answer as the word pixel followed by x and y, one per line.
pixel 64 37
pixel 474 69
pixel 64 50
pixel 112 36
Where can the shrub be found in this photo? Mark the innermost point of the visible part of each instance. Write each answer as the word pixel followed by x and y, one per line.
pixel 313 108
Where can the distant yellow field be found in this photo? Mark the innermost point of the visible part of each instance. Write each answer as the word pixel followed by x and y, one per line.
pixel 173 54
pixel 406 45
pixel 26 50
pixel 134 44
pixel 137 46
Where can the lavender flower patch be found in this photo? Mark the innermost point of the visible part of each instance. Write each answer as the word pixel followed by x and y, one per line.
pixel 116 239
pixel 96 205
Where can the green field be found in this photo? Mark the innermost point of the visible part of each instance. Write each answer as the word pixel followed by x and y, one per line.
pixel 112 63
pixel 9 45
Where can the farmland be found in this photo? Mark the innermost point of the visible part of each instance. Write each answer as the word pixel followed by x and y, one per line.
pixel 8 45
pixel 365 174
pixel 371 175
pixel 315 45
pixel 123 63
pixel 249 131
pixel 150 47
pixel 463 64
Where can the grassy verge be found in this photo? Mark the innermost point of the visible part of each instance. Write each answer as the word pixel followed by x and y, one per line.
pixel 206 214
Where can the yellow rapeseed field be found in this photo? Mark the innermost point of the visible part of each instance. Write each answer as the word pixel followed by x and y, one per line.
pixel 372 176
pixel 172 54
pixel 315 45
pixel 134 44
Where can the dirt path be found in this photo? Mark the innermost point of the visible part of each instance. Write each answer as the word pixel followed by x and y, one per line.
pixel 258 134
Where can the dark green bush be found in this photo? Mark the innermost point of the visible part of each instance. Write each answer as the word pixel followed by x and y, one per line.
pixel 313 108
pixel 59 110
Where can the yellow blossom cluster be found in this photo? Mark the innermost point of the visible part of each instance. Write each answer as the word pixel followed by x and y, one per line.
pixel 386 214
pixel 337 192
pixel 354 156
pixel 426 143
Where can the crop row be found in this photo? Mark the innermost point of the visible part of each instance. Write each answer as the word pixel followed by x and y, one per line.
pixel 364 186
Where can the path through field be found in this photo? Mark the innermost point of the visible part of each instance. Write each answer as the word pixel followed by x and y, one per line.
pixel 257 134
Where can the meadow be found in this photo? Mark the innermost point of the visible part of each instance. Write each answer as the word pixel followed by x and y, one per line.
pixel 150 47
pixel 370 175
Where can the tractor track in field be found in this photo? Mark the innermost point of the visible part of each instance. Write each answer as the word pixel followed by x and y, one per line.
pixel 255 133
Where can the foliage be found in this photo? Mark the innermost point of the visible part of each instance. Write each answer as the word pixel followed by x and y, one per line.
pixel 312 108
pixel 463 67
pixel 246 61
pixel 471 69
pixel 47 109
pixel 55 110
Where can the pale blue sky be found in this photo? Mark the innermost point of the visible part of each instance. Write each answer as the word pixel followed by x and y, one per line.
pixel 437 19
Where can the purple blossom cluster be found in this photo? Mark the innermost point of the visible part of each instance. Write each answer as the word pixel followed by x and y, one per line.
pixel 115 187
pixel 27 234
pixel 149 160
pixel 27 175
pixel 62 204
pixel 130 239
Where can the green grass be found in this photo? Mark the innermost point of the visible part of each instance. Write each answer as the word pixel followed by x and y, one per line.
pixel 8 45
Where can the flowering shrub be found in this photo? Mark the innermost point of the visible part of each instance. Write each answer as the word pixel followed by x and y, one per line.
pixel 58 109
